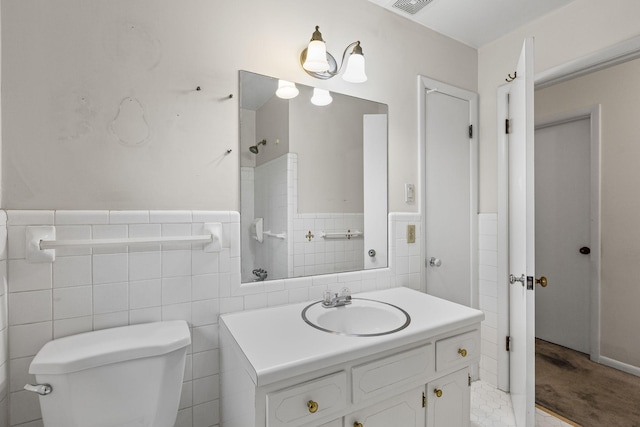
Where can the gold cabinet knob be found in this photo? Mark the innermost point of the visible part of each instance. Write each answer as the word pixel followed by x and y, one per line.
pixel 313 406
pixel 437 392
pixel 462 352
pixel 542 281
pixel 357 424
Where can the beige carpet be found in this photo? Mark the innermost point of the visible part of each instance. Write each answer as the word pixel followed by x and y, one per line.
pixel 588 393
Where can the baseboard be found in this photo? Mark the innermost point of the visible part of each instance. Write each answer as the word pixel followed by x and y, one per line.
pixel 630 369
pixel 558 416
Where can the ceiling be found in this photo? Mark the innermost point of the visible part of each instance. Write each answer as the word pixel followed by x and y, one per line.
pixel 474 22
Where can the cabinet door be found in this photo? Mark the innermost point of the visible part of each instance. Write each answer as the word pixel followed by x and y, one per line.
pixel 403 410
pixel 448 400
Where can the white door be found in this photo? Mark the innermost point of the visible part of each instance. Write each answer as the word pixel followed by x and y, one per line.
pixel 522 239
pixel 375 201
pixel 449 197
pixel 563 174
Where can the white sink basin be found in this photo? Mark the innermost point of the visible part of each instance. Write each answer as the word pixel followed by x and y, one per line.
pixel 362 318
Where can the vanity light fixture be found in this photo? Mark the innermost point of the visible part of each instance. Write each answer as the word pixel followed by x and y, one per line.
pixel 321 97
pixel 319 63
pixel 286 90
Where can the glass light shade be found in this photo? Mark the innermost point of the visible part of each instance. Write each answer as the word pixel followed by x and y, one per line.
pixel 286 90
pixel 321 97
pixel 316 60
pixel 355 69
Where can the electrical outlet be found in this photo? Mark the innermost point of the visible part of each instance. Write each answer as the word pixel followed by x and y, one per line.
pixel 411 233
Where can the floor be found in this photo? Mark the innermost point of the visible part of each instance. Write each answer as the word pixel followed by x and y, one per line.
pixel 491 407
pixel 591 394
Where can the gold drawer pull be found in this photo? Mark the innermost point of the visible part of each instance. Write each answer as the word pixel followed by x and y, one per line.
pixel 313 406
pixel 462 352
pixel 437 392
pixel 357 424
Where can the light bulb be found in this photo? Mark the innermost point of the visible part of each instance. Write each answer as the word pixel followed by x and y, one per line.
pixel 316 60
pixel 321 97
pixel 286 90
pixel 355 69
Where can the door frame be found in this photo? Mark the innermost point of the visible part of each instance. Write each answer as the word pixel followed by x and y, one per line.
pixel 607 57
pixel 427 85
pixel 593 114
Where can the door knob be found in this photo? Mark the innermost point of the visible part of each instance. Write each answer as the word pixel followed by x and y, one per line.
pixel 585 250
pixel 542 281
pixel 435 262
pixel 513 279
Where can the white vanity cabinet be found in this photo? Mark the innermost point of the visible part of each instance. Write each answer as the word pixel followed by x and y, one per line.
pixel 276 371
pixel 405 409
pixel 448 400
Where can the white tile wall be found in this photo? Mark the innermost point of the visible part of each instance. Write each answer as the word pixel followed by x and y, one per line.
pixel 4 320
pixel 488 291
pixel 88 289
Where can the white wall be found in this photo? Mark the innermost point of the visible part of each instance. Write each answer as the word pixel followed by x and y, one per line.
pixel 329 142
pixel 573 31
pixel 70 66
pixel 272 125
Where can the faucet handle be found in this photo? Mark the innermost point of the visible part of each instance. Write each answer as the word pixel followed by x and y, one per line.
pixel 326 297
pixel 345 292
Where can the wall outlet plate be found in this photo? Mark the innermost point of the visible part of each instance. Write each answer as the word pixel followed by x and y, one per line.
pixel 409 193
pixel 411 233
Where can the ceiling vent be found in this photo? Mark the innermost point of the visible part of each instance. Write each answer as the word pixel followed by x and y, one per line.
pixel 411 6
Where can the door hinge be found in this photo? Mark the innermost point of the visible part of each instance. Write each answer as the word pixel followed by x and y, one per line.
pixel 424 400
pixel 507 126
pixel 469 380
pixel 470 131
pixel 508 344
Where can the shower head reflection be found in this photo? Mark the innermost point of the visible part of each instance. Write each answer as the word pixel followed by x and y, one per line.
pixel 254 148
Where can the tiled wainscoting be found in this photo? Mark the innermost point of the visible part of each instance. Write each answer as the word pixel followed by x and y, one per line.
pixel 88 289
pixel 488 295
pixel 4 336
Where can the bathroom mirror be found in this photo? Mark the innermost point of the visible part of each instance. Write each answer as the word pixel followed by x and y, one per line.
pixel 313 193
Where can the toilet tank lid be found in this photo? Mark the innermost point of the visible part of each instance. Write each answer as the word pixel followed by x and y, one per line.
pixel 92 349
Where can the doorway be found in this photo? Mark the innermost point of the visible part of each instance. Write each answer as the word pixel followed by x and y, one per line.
pixel 449 172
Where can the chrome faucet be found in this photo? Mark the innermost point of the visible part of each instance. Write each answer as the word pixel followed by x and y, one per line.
pixel 260 273
pixel 336 300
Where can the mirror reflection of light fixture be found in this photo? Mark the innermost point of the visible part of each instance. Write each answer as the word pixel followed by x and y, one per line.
pixel 319 63
pixel 286 90
pixel 321 97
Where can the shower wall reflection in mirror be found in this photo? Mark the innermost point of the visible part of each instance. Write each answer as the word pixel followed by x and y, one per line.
pixel 313 193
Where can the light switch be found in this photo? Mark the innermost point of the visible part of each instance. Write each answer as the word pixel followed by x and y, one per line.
pixel 409 193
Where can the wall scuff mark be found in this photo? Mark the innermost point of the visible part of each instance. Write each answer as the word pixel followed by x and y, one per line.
pixel 130 124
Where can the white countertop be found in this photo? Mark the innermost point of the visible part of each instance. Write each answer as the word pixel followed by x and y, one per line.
pixel 278 344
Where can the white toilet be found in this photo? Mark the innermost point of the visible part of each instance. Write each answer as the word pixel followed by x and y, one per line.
pixel 126 377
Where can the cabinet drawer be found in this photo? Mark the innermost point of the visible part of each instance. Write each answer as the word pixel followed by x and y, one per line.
pixel 383 374
pixel 457 351
pixel 289 407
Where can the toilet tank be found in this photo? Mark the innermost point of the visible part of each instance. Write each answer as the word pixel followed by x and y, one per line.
pixel 127 376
